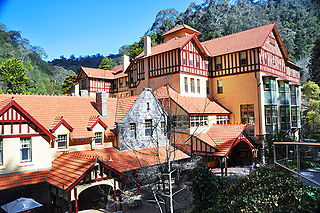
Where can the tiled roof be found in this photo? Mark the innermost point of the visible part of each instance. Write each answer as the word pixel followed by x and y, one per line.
pixel 184 26
pixel 68 169
pixel 222 137
pixel 75 111
pixel 98 73
pixel 192 105
pixel 134 159
pixel 123 106
pixel 23 178
pixel 243 40
pixel 172 44
pixel 117 69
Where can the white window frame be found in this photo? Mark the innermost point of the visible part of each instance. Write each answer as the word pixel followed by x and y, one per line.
pixel 97 136
pixel 148 127
pixel 222 119
pixel 60 140
pixel 219 87
pixel 25 144
pixel 199 121
pixel 132 131
pixel 191 64
pixel 185 84
pixel 198 85
pixel 192 89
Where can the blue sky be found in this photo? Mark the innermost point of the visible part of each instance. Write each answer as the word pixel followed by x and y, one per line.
pixel 83 27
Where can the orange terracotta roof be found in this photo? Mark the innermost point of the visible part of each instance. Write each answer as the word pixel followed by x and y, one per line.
pixel 172 44
pixel 75 110
pixel 192 105
pixel 178 28
pixel 134 159
pixel 243 40
pixel 98 73
pixel 222 137
pixel 68 169
pixel 123 106
pixel 23 178
pixel 117 69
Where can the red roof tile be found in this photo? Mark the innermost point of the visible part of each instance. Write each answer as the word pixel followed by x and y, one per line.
pixel 123 106
pixel 243 40
pixel 222 137
pixel 181 27
pixel 192 105
pixel 23 178
pixel 98 73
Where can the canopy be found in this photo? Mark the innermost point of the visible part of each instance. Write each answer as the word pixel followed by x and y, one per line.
pixel 20 205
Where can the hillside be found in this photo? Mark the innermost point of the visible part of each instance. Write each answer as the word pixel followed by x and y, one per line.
pixel 46 78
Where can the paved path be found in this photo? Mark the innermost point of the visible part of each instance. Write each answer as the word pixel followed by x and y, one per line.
pixel 313 174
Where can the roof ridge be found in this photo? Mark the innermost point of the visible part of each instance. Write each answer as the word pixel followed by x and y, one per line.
pixel 79 155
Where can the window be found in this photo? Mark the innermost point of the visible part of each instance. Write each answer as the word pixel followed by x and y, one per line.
pixel 199 121
pixel 192 84
pixel 281 86
pixel 198 62
pixel 266 83
pixel 280 64
pixel 293 114
pixel 83 83
pixel 222 119
pixel 198 85
pixel 148 127
pixel 247 113
pixel 131 92
pixel 62 141
pixel 284 114
pixel 98 138
pixel 163 126
pixel 184 56
pixel 25 149
pixel 243 58
pixel 273 60
pixel 218 63
pixel 219 87
pixel 207 65
pixel 1 152
pixel 271 114
pixel 132 132
pixel 121 83
pixel 180 121
pixel 265 58
pixel 185 84
pixel 207 85
pixel 191 59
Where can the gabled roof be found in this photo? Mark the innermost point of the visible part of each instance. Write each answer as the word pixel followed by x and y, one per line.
pixel 222 137
pixel 172 44
pixel 75 110
pixel 24 112
pixel 243 40
pixel 57 122
pixel 93 121
pixel 123 106
pixel 192 105
pixel 181 27
pixel 22 178
pixel 97 73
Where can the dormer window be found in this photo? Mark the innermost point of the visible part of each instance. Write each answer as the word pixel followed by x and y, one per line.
pixel 62 141
pixel 98 138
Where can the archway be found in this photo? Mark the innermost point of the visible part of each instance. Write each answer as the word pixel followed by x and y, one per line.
pixel 241 154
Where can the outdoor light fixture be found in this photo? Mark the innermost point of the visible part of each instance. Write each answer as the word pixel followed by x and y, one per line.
pixel 110 159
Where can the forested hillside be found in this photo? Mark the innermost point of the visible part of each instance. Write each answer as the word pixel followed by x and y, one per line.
pixel 44 78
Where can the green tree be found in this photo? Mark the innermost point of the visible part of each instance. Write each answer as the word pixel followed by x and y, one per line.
pixel 13 76
pixel 68 83
pixel 312 91
pixel 315 62
pixel 106 64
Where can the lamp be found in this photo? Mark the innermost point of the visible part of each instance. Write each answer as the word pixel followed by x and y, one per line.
pixel 110 159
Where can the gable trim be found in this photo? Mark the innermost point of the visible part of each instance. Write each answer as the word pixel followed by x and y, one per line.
pixel 68 126
pixel 105 126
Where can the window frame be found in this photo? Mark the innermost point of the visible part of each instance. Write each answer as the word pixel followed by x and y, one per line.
pixel 218 66
pixel 192 86
pixel 148 127
pixel 222 119
pixel 59 141
pixel 184 58
pixel 198 121
pixel 95 138
pixel 133 130
pixel 198 85
pixel 219 87
pixel 186 84
pixel 249 108
pixel 191 64
pixel 28 148
pixel 243 59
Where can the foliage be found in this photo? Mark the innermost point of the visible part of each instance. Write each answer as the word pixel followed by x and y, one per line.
pixel 268 144
pixel 68 83
pixel 13 76
pixel 315 62
pixel 267 189
pixel 312 114
pixel 106 64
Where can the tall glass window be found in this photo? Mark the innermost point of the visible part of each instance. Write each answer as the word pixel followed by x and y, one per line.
pixel 25 149
pixel 243 59
pixel 184 58
pixel 62 141
pixel 148 127
pixel 219 87
pixel 191 59
pixel 132 132
pixel 192 84
pixel 98 138
pixel 185 84
pixel 218 63
pixel 198 85
pixel 247 113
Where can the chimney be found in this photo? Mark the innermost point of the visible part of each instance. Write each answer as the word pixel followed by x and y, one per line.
pixel 125 62
pixel 101 103
pixel 147 46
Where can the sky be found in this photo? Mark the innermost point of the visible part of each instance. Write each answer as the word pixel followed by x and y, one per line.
pixel 83 27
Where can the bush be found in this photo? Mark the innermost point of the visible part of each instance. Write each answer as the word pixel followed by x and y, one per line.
pixel 267 189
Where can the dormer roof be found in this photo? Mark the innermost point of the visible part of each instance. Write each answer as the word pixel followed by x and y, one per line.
pixel 183 27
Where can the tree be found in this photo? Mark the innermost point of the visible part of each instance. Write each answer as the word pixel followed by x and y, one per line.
pixel 106 64
pixel 312 114
pixel 68 83
pixel 13 76
pixel 315 62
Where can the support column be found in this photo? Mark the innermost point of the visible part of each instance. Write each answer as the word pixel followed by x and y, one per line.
pixel 226 166
pixel 76 199
pixel 115 195
pixel 70 205
pixel 120 198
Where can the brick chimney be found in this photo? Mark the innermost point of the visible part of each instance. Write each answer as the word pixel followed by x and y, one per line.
pixel 125 62
pixel 147 46
pixel 101 103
